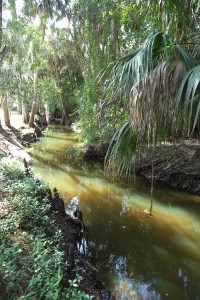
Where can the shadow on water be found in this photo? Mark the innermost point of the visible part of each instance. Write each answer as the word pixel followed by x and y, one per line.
pixel 61 138
pixel 138 257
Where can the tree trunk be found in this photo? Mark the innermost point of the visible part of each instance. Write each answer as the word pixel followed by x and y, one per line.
pixel 115 40
pixel 1 21
pixel 33 113
pixel 13 9
pixel 5 110
pixel 47 113
pixel 64 116
pixel 25 113
pixel 19 106
pixel 34 104
pixel 64 119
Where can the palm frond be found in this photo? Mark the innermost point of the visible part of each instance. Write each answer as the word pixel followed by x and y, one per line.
pixel 137 66
pixel 150 106
pixel 185 57
pixel 149 77
pixel 187 105
pixel 120 157
pixel 134 67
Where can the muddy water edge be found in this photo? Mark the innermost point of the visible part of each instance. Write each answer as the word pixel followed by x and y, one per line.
pixel 138 257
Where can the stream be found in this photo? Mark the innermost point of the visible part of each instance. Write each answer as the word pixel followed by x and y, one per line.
pixel 138 257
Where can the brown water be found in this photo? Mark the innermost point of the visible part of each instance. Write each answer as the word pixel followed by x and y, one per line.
pixel 138 257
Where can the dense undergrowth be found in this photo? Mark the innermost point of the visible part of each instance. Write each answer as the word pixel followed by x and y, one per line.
pixel 31 260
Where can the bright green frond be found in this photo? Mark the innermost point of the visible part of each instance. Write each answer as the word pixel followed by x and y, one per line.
pixel 120 157
pixel 187 110
pixel 185 57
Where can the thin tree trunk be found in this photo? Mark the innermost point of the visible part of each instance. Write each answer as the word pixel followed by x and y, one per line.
pixel 13 9
pixel 1 21
pixel 47 113
pixel 64 119
pixel 43 26
pixel 5 110
pixel 115 34
pixel 25 113
pixel 64 116
pixel 152 171
pixel 34 104
pixel 19 106
pixel 33 113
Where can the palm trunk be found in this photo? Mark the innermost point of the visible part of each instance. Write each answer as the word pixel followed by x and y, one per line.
pixel 5 110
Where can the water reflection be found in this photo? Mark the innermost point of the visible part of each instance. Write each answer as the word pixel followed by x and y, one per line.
pixel 139 257
pixel 72 205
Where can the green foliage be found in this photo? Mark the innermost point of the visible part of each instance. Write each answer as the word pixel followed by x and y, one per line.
pixel 88 110
pixel 188 101
pixel 58 68
pixel 12 172
pixel 137 66
pixel 46 91
pixel 31 259
pixel 149 78
pixel 120 157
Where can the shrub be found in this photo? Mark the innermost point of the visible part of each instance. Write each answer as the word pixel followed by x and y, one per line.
pixel 30 255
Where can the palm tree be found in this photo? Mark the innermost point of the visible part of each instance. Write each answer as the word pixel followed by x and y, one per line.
pixel 160 80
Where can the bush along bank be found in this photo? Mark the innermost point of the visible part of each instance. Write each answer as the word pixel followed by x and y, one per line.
pixel 38 254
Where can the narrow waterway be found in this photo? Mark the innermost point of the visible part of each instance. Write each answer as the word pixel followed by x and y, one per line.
pixel 139 257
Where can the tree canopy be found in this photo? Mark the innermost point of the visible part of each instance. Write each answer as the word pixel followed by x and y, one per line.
pixel 103 64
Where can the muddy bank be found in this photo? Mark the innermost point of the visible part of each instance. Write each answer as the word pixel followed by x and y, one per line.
pixel 176 164
pixel 73 229
pixel 96 152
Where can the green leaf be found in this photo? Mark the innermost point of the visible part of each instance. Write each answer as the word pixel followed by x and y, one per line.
pixel 120 157
pixel 186 110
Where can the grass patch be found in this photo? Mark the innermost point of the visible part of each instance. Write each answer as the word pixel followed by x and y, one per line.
pixel 31 259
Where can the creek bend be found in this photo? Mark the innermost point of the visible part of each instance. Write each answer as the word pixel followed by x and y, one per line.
pixel 138 257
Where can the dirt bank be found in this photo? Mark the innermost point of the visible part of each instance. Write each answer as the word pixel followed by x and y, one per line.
pixel 176 164
pixel 72 229
pixel 10 144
